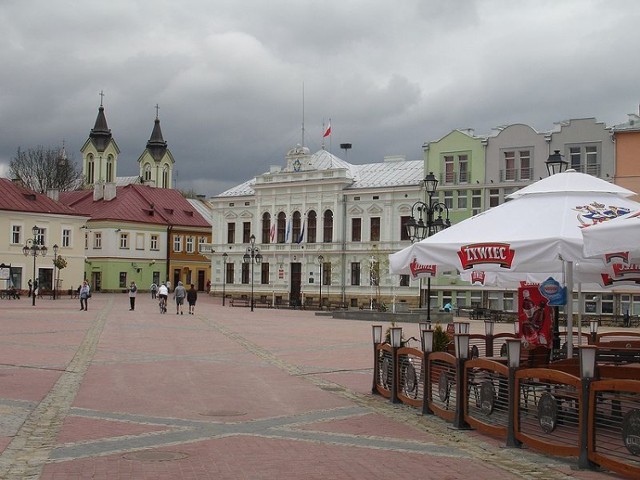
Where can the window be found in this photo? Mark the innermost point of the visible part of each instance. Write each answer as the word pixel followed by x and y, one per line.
pixel 154 242
pixel 139 241
pixel 16 234
pixel 147 172
pixel 476 201
pixel 375 229
pixel 123 280
pixel 448 199
pixel 575 159
pixel 165 177
pixel 66 237
pixel 97 240
pixel 356 229
pixel 86 241
pixel 90 169
pixel 246 232
pixel 449 173
pixel 525 165
pixel 177 243
pixel 229 274
pixel 462 199
pixel 328 227
pixel 201 242
pixel 494 197
pixel 231 232
pixel 463 167
pixel 404 280
pixel 404 235
pixel 326 273
pixel 245 273
pixel 190 244
pixel 110 168
pixel 585 158
pixel 606 304
pixel 124 240
pixel 355 273
pixel 282 227
pixel 296 227
pixel 266 229
pixel 39 236
pixel 264 273
pixel 311 226
pixel 374 273
pixel 509 166
pixel 591 158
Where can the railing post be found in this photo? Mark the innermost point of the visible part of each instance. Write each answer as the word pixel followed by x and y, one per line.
pixel 396 341
pixel 462 353
pixel 513 359
pixel 426 337
pixel 587 356
pixel 488 338
pixel 376 331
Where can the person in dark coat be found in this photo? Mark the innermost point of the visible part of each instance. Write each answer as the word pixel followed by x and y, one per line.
pixel 192 297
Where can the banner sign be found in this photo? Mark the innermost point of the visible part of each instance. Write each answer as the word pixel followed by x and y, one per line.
pixel 534 317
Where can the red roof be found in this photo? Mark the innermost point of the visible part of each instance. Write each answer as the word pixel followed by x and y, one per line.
pixel 138 203
pixel 14 197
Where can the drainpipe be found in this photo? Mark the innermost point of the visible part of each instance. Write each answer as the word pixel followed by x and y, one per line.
pixel 168 258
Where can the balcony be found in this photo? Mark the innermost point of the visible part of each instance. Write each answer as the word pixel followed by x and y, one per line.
pixel 516 175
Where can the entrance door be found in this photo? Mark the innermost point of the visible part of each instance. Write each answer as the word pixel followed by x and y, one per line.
pixel 96 281
pixel 200 285
pixel 296 282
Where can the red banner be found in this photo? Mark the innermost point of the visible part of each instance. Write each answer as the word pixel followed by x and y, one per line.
pixel 534 316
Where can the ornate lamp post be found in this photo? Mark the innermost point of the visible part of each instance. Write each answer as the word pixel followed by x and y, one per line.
pixel 557 164
pixel 55 269
pixel 33 247
pixel 224 275
pixel 429 221
pixel 254 256
pixel 320 262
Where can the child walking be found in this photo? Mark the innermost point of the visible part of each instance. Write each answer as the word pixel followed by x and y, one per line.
pixel 192 297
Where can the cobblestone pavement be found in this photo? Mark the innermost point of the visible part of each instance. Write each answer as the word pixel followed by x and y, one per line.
pixel 225 393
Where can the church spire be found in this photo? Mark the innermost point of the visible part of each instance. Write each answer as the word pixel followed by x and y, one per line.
pixel 100 134
pixel 156 145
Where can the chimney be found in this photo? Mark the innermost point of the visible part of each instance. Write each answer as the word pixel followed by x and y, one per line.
pixel 98 191
pixel 53 194
pixel 109 191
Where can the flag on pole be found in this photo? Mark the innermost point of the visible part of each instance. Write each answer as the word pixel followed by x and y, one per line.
pixel 272 232
pixel 287 236
pixel 301 235
pixel 327 132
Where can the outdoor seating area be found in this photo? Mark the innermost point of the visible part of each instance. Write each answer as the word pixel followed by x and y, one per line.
pixel 586 406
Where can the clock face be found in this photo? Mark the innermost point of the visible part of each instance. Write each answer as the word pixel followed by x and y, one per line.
pixel 296 165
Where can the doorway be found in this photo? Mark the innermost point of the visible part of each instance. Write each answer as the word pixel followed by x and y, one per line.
pixel 296 282
pixel 201 282
pixel 96 281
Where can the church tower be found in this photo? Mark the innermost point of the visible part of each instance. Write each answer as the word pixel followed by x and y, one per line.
pixel 156 162
pixel 99 153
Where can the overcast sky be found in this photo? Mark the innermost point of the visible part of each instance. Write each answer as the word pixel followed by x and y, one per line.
pixel 228 75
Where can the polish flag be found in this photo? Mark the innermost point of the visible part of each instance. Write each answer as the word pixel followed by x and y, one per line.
pixel 327 132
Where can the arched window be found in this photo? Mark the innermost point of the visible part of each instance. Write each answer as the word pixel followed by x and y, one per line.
pixel 311 226
pixel 266 228
pixel 91 169
pixel 295 227
pixel 328 227
pixel 147 172
pixel 165 177
pixel 110 168
pixel 282 227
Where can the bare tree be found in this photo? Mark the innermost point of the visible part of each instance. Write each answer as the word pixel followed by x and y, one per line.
pixel 43 169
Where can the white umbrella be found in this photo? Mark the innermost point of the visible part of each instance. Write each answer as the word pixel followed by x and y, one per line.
pixel 532 233
pixel 618 236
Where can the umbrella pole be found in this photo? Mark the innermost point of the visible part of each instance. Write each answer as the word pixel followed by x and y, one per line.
pixel 569 309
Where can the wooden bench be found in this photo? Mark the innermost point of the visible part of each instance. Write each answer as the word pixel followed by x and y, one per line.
pixel 239 302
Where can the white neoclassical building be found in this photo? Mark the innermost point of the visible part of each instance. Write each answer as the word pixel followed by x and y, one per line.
pixel 321 225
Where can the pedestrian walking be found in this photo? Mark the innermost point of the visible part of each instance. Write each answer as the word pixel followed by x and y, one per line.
pixel 208 286
pixel 30 288
pixel 85 294
pixel 132 296
pixel 154 291
pixel 168 283
pixel 192 297
pixel 179 294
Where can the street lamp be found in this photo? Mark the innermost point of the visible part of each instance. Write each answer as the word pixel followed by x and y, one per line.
pixel 556 163
pixel 55 268
pixel 224 274
pixel 429 222
pixel 372 261
pixel 254 256
pixel 32 247
pixel 320 262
